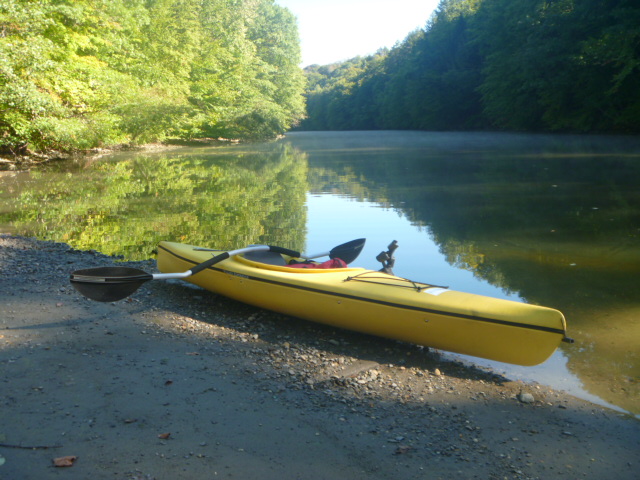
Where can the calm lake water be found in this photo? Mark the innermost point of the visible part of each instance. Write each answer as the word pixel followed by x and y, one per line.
pixel 551 220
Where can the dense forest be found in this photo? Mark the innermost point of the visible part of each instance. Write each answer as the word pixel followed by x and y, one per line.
pixel 526 65
pixel 78 74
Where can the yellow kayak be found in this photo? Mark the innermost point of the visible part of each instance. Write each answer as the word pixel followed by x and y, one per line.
pixel 380 304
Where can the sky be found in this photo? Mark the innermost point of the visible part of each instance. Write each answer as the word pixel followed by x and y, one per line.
pixel 335 30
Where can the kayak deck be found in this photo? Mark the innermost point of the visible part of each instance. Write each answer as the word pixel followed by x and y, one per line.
pixel 380 304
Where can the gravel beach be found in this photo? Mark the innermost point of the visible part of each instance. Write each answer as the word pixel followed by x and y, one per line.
pixel 177 383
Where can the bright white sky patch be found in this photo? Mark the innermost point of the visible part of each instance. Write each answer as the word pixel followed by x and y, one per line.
pixel 334 30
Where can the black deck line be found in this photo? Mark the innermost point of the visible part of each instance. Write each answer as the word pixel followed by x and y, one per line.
pixel 380 302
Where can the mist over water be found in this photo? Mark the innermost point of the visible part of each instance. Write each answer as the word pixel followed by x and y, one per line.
pixel 546 219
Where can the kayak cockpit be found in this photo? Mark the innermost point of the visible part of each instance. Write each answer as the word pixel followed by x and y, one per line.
pixel 269 261
pixel 270 258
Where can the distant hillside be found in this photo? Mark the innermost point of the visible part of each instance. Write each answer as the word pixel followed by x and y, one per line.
pixel 528 65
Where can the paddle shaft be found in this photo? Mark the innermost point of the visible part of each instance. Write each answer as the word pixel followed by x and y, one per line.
pixel 347 252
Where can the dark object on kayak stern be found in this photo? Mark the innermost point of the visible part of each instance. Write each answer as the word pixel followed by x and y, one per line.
pixel 387 259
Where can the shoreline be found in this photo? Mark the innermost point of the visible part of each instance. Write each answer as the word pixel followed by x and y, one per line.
pixel 176 382
pixel 27 160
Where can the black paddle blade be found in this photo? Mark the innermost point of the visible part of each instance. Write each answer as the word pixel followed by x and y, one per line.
pixel 108 284
pixel 349 251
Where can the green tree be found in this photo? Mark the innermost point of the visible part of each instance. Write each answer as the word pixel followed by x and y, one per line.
pixel 532 65
pixel 78 74
pixel 561 66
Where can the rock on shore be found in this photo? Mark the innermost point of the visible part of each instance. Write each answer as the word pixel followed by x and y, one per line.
pixel 177 383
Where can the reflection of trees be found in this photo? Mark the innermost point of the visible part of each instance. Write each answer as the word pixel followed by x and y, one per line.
pixel 125 207
pixel 556 225
pixel 490 210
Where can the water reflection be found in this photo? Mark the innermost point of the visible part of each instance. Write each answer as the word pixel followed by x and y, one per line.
pixel 554 220
pixel 125 204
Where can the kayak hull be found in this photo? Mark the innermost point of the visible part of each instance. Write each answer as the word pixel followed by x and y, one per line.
pixel 383 305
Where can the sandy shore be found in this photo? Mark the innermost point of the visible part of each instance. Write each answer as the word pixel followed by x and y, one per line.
pixel 177 383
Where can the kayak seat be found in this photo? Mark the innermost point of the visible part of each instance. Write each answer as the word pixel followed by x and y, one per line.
pixel 271 258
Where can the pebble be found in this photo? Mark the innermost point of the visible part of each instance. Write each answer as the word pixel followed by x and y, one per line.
pixel 526 398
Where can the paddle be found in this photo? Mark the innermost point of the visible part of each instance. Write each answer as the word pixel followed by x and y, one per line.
pixel 346 252
pixel 109 284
